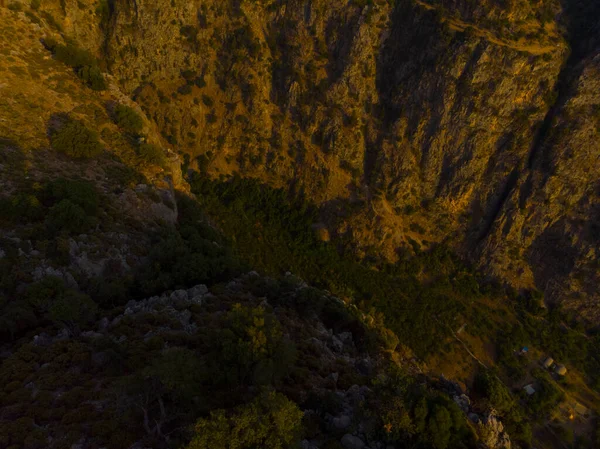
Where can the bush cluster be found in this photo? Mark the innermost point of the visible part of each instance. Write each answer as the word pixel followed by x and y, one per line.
pixel 83 63
pixel 128 119
pixel 74 139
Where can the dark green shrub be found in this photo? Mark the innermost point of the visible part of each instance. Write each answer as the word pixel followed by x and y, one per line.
pixel 151 154
pixel 207 101
pixel 72 309
pixel 82 61
pixel 79 192
pixel 73 56
pixel 69 217
pixel 186 89
pixel 92 76
pixel 74 139
pixel 200 82
pixel 128 119
pixel 35 4
pixel 21 206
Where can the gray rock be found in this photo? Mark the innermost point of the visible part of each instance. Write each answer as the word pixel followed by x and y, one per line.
pixel 463 402
pixel 342 422
pixel 154 301
pixel 91 334
pixel 179 295
pixel 364 366
pixel 337 344
pixel 474 417
pixel 346 338
pixel 305 444
pixel 352 442
pixel 103 324
pixel 42 340
pixel 99 358
pixel 63 335
pixel 184 317
pixel 197 290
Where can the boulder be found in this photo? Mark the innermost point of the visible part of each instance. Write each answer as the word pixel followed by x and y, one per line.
pixel 351 442
pixel 196 291
pixel 337 344
pixel 305 444
pixel 184 317
pixel 42 340
pixel 179 295
pixel 91 334
pixel 463 402
pixel 103 324
pixel 100 358
pixel 342 422
pixel 346 337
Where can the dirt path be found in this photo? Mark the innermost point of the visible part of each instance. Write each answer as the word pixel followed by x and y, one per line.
pixel 459 25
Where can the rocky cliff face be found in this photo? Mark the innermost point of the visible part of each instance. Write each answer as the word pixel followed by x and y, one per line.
pixel 463 122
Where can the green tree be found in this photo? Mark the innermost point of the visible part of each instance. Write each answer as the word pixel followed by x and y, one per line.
pixel 251 348
pixel 271 421
pixel 420 413
pixel 490 387
pixel 438 427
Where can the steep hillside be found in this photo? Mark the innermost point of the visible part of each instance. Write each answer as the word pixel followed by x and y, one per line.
pixel 432 115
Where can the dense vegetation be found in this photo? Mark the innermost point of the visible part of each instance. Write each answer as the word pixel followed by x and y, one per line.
pixel 274 233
